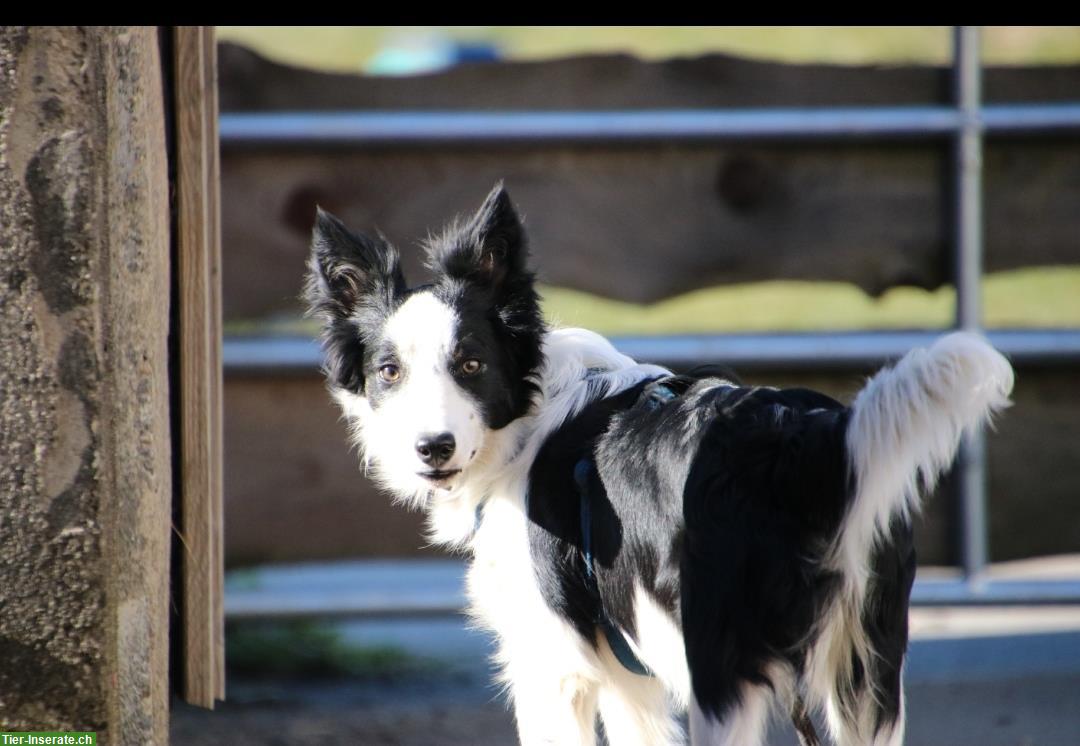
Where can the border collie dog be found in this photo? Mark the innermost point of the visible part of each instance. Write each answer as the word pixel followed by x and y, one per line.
pixel 642 542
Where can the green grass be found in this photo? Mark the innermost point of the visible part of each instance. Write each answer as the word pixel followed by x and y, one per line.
pixel 311 649
pixel 1042 297
pixel 351 48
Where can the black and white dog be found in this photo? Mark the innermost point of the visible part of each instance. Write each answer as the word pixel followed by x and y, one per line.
pixel 643 542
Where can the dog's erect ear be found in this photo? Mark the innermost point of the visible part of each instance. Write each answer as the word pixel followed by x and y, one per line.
pixel 350 269
pixel 489 248
pixel 485 257
pixel 353 282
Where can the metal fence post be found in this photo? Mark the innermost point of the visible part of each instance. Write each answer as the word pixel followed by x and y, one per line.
pixel 968 279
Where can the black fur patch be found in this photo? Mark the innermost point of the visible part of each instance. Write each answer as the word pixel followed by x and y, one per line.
pixel 354 283
pixel 764 497
pixel 482 273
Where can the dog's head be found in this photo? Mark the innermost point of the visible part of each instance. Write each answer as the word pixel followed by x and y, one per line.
pixel 427 374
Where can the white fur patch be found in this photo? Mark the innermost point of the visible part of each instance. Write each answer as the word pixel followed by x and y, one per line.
pixel 635 710
pixel 660 646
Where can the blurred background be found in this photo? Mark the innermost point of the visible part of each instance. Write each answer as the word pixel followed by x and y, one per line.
pixel 781 199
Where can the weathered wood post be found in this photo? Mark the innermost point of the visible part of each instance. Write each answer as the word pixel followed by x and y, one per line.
pixel 85 475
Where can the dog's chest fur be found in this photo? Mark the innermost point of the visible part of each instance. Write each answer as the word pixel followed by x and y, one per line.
pixel 505 598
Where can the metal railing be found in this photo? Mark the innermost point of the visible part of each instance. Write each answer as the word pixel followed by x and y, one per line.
pixel 287 355
pixel 415 128
pixel 965 122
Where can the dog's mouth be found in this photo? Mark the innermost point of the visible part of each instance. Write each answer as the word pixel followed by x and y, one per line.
pixel 439 477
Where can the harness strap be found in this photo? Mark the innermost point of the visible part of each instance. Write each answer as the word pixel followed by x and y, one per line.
pixel 659 395
pixel 618 643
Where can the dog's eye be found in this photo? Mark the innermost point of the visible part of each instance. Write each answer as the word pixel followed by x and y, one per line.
pixel 389 373
pixel 471 367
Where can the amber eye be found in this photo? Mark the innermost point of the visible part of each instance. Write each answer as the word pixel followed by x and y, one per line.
pixel 389 373
pixel 471 367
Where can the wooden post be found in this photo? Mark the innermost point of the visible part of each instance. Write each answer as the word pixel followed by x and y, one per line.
pixel 85 475
pixel 199 267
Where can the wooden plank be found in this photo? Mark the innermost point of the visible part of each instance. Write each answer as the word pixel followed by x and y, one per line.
pixel 213 192
pixel 199 368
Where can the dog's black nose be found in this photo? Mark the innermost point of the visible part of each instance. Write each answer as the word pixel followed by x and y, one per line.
pixel 436 449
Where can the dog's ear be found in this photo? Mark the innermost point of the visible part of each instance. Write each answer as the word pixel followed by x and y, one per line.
pixel 488 253
pixel 488 249
pixel 353 282
pixel 349 269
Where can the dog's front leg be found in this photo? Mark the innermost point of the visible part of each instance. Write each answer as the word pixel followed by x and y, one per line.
pixel 554 709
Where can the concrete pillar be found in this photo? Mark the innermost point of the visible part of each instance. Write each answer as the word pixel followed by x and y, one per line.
pixel 85 478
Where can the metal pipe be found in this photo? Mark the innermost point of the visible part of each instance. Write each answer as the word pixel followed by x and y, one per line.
pixel 817 351
pixel 397 128
pixel 1028 592
pixel 1005 119
pixel 971 462
pixel 968 180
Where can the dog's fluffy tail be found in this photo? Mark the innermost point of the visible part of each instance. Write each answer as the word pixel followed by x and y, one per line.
pixel 904 430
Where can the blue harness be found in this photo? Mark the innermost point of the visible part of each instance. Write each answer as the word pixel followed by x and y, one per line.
pixel 616 640
pixel 620 646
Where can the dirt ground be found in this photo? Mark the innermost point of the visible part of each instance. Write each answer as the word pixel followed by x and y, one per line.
pixel 452 711
pixel 1032 711
pixel 974 677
